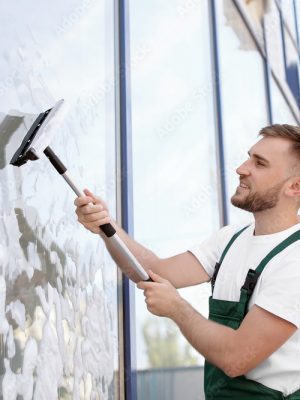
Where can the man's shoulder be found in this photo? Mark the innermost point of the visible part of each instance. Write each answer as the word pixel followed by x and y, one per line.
pixel 228 231
pixel 217 241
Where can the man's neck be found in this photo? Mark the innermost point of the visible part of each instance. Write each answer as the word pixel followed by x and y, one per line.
pixel 273 221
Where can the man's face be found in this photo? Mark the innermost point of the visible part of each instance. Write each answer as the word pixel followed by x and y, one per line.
pixel 264 174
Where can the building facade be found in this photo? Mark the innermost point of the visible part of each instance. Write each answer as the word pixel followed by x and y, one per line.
pixel 164 100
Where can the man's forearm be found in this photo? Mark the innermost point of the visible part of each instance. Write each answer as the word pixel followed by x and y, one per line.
pixel 92 212
pixel 146 257
pixel 214 341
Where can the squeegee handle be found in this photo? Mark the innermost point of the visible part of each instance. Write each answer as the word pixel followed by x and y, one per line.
pixel 107 229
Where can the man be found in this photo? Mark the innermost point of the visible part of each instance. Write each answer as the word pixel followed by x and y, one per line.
pixel 251 341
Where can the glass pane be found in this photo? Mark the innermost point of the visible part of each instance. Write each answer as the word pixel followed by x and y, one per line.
pixel 58 287
pixel 297 17
pixel 273 37
pixel 244 103
pixel 288 13
pixel 292 66
pixel 174 167
pixel 281 112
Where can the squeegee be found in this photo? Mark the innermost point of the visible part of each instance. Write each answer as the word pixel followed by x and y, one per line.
pixel 36 142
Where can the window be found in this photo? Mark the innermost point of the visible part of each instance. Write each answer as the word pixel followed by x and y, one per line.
pixel 244 104
pixel 281 111
pixel 174 159
pixel 288 13
pixel 273 38
pixel 58 286
pixel 291 65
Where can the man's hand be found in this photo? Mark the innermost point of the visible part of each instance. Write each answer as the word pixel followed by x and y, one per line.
pixel 91 211
pixel 162 298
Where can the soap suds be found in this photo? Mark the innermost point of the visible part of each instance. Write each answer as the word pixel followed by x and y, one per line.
pixel 49 366
pixel 17 310
pixel 56 326
pixel 9 383
pixel 26 379
pixel 4 327
pixel 10 343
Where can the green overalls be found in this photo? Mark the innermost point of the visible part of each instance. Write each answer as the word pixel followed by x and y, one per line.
pixel 217 385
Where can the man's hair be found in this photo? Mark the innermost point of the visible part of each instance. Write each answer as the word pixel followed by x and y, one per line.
pixel 284 131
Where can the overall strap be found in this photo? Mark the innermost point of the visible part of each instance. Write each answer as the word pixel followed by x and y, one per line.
pixel 253 275
pixel 218 264
pixel 281 246
pixel 230 243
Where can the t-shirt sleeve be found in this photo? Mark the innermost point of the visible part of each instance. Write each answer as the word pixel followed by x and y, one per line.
pixel 210 250
pixel 279 291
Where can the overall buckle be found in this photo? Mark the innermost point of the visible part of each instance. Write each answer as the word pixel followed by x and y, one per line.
pixel 251 280
pixel 214 277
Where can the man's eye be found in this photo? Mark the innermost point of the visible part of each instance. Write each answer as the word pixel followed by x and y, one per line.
pixel 260 163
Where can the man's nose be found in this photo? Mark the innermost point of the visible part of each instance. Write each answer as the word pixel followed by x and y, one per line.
pixel 243 169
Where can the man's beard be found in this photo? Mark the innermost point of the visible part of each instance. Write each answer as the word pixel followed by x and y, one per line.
pixel 258 201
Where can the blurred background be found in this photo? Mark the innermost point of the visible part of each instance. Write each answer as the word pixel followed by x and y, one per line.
pixel 164 101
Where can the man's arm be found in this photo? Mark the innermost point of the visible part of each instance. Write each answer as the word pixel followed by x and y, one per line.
pixel 181 270
pixel 233 351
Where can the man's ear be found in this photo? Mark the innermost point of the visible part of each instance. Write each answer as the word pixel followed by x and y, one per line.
pixel 293 188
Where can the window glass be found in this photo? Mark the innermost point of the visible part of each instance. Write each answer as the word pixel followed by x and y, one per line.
pixel 281 112
pixel 244 105
pixel 174 161
pixel 288 12
pixel 58 287
pixel 297 17
pixel 273 37
pixel 292 66
pixel 256 10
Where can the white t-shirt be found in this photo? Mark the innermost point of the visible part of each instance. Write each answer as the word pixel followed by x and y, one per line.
pixel 277 291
